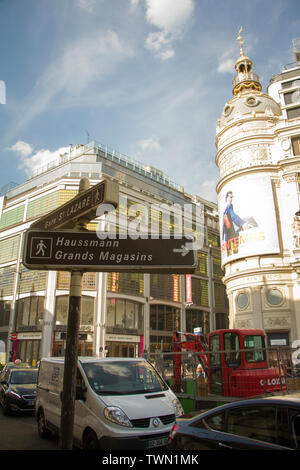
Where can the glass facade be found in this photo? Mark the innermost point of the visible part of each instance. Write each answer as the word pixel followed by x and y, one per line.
pixel 5 307
pixel 62 309
pixel 30 311
pixel 197 318
pixel 124 315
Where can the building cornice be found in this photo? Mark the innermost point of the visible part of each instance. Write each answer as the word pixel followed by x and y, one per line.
pixel 269 168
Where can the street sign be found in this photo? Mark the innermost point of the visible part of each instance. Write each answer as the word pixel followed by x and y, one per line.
pixel 82 205
pixel 85 251
pixel 14 336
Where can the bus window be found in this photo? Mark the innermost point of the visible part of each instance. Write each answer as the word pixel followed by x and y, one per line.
pixel 232 349
pixel 254 346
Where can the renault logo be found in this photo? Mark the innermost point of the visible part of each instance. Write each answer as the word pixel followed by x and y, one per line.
pixel 155 422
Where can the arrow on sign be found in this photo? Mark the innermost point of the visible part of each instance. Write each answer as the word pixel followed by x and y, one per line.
pixel 183 250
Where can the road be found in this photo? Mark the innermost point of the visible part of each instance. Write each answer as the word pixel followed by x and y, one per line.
pixel 19 432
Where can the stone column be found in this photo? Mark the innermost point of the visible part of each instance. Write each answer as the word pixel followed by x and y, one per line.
pixel 49 315
pixel 100 315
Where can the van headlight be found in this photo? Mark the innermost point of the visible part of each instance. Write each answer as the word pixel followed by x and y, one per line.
pixel 116 415
pixel 177 407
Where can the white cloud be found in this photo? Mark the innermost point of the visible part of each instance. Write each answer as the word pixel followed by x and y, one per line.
pixel 226 66
pixel 40 159
pixel 134 4
pixel 170 17
pixel 150 144
pixel 87 5
pixel 160 45
pixel 22 148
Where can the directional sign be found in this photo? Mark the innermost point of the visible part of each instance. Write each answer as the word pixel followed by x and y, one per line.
pixel 85 251
pixel 82 205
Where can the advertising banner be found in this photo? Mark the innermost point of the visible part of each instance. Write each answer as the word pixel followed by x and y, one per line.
pixel 248 224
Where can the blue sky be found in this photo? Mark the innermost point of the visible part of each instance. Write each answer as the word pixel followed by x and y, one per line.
pixel 148 78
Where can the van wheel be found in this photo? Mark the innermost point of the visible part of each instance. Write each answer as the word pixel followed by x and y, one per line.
pixel 42 428
pixel 90 441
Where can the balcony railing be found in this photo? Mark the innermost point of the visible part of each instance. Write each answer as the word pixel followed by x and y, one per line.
pixel 245 77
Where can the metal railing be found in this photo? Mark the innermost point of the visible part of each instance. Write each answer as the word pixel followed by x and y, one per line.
pixel 269 371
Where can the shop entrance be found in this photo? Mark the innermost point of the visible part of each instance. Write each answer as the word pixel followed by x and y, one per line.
pixel 121 349
pixel 84 348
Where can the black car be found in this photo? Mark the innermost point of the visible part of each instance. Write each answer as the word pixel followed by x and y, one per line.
pixel 254 424
pixel 18 389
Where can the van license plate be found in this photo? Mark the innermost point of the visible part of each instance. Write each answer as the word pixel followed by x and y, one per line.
pixel 157 442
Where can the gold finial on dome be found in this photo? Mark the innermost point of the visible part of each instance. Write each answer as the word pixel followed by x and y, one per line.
pixel 240 40
pixel 245 80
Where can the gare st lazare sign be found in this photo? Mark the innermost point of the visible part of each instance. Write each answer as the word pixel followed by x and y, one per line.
pixel 83 205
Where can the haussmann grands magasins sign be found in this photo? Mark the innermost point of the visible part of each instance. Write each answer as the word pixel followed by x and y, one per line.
pixel 85 251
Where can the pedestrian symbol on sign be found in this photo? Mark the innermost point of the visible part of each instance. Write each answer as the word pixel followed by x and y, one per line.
pixel 41 247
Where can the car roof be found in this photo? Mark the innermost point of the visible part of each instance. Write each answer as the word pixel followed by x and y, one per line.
pixel 286 400
pixel 23 369
pixel 87 359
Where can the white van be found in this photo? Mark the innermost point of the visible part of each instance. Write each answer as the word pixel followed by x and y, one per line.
pixel 121 403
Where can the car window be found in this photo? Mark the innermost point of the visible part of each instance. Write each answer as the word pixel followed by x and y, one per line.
pixel 216 422
pixel 256 423
pixel 296 429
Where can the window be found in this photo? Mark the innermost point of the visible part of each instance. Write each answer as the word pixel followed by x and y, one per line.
pixel 232 349
pixel 9 249
pixel 215 357
pixel 4 312
pixel 164 318
pixel 255 348
pixel 293 112
pixel 200 292
pixel 216 422
pixel 124 314
pixel 87 310
pixel 30 311
pixel 296 430
pixel 195 319
pixel 256 423
pixel 292 97
pixel 242 300
pixel 163 286
pixel 274 296
pixel 296 145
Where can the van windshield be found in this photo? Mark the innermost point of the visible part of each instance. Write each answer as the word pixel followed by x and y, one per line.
pixel 123 378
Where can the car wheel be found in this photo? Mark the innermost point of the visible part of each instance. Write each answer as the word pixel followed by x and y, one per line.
pixel 42 428
pixel 90 441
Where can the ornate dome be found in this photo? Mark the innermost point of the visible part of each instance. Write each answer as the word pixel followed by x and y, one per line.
pixel 248 103
pixel 248 97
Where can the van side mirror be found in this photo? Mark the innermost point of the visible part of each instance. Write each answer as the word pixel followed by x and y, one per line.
pixel 80 393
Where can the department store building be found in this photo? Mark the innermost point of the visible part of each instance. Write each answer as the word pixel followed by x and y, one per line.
pixel 122 314
pixel 258 155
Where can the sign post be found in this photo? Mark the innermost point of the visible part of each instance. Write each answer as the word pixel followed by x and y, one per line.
pixel 70 367
pixel 71 354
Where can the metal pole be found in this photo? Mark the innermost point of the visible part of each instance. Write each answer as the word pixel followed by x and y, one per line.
pixel 70 368
pixel 71 353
